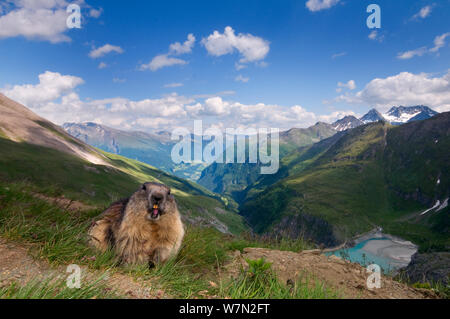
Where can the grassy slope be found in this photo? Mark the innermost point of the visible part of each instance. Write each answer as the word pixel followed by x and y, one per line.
pixel 232 179
pixel 355 183
pixel 54 173
pixel 59 237
pixel 147 148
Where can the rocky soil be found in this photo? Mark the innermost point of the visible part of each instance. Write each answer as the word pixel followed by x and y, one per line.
pixel 348 278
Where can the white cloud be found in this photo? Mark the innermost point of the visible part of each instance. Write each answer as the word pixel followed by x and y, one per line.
pixel 55 98
pixel 412 53
pixel 161 61
pixel 102 65
pixel 351 85
pixel 439 42
pixel 173 85
pixel 318 5
pixel 241 78
pixel 165 60
pixel 51 86
pixel 250 47
pixel 104 50
pixel 177 48
pixel 404 89
pixel 35 19
pixel 424 12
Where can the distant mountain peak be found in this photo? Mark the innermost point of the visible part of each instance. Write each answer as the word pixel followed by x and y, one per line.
pixel 404 114
pixel 348 122
pixel 372 116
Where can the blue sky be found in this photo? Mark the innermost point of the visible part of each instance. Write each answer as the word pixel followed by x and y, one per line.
pixel 280 65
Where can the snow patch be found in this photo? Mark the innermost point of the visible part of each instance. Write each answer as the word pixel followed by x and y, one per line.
pixel 444 204
pixel 403 118
pixel 435 205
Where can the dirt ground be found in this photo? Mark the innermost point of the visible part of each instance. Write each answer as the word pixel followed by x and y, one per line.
pixel 348 278
pixel 16 265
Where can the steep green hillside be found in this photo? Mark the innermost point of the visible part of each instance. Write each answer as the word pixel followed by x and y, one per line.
pixel 375 174
pixel 55 173
pixel 153 149
pixel 232 179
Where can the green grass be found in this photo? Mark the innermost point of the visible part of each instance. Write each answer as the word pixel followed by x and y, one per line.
pixel 369 176
pixel 56 288
pixel 55 173
pixel 60 237
pixel 260 282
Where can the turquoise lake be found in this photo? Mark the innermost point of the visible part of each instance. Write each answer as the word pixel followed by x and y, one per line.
pixel 389 253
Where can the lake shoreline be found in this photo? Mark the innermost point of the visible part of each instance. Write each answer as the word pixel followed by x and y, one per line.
pixel 385 248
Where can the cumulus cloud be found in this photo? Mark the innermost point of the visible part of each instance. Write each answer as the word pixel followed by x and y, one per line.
pixel 104 50
pixel 178 48
pixel 35 19
pixel 55 97
pixel 51 86
pixel 318 5
pixel 250 47
pixel 439 42
pixel 165 60
pixel 404 88
pixel 161 61
pixel 102 65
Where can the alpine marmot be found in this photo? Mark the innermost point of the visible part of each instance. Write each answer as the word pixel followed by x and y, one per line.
pixel 145 228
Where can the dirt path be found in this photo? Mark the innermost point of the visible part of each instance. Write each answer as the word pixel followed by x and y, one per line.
pixel 349 278
pixel 16 265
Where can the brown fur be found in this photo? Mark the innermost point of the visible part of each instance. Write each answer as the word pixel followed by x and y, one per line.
pixel 126 226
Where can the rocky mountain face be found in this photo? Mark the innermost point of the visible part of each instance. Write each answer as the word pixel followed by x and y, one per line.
pixel 372 116
pixel 428 267
pixel 347 123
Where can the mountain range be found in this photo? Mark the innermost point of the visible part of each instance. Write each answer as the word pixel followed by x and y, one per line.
pixel 154 149
pixel 376 174
pixel 396 115
pixel 47 160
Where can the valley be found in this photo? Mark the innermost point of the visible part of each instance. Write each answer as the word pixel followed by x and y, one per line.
pixel 331 186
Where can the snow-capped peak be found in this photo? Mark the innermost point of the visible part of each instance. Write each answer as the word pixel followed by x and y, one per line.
pixel 372 116
pixel 346 123
pixel 404 114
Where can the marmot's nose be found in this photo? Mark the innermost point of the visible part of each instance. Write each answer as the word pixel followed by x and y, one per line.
pixel 157 197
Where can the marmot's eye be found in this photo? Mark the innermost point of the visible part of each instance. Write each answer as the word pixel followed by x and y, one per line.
pixel 168 193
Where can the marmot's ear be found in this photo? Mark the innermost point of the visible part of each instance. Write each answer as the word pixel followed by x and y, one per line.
pixel 144 187
pixel 168 193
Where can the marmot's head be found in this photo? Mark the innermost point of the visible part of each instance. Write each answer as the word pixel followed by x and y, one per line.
pixel 159 200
